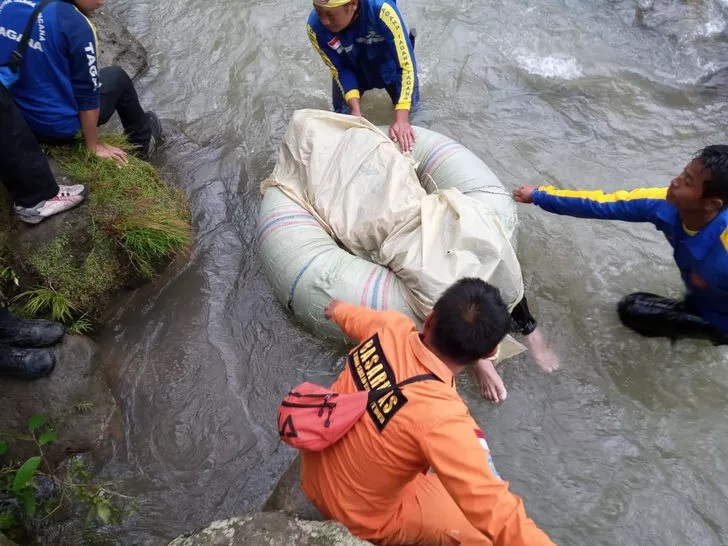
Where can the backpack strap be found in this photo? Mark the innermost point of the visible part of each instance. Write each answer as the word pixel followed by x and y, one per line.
pixel 17 54
pixel 416 378
pixel 376 393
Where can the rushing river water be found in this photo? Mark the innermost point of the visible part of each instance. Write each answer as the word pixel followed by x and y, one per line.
pixel 625 445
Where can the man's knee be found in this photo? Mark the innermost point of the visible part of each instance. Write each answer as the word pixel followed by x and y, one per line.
pixel 113 76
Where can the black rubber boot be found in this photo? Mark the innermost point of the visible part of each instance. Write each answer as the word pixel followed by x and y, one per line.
pixel 24 363
pixel 654 316
pixel 28 333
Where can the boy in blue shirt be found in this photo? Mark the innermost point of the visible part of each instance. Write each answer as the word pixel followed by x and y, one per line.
pixel 692 213
pixel 61 89
pixel 366 45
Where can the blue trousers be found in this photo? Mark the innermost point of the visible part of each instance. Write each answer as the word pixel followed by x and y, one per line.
pixel 340 106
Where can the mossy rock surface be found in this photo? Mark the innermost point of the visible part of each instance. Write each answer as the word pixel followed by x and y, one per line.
pixel 74 400
pixel 70 266
pixel 270 528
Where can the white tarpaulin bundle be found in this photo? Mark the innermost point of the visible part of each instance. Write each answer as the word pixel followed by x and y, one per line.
pixel 354 180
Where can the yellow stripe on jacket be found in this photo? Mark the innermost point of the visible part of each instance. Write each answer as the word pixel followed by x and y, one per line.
pixel 600 197
pixel 395 26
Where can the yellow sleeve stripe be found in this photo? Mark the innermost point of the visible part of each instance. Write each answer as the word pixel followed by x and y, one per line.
pixel 601 197
pixel 724 238
pixel 353 94
pixel 93 29
pixel 327 61
pixel 394 24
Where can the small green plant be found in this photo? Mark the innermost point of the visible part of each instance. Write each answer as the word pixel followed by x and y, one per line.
pixel 83 406
pixel 21 480
pixel 99 497
pixel 82 325
pixel 9 282
pixel 45 300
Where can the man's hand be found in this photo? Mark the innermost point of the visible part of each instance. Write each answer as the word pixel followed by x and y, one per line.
pixel 111 152
pixel 524 194
pixel 330 308
pixel 401 131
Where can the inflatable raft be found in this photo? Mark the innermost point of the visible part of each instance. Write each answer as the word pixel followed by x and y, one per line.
pixel 307 265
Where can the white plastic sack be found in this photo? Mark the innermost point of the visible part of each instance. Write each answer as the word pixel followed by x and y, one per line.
pixel 359 186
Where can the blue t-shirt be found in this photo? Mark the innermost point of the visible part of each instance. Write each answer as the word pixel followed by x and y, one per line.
pixel 372 53
pixel 59 76
pixel 702 257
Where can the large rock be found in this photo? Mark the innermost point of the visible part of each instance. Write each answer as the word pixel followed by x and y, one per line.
pixel 118 46
pixel 74 398
pixel 288 496
pixel 269 528
pixel 5 541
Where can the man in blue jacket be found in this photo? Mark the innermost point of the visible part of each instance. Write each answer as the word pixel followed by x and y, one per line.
pixel 366 45
pixel 61 89
pixel 692 213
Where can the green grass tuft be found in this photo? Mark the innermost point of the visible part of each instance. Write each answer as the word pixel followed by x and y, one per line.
pixel 45 301
pixel 138 224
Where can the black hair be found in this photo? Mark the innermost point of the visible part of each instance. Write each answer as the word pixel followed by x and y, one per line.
pixel 715 159
pixel 469 320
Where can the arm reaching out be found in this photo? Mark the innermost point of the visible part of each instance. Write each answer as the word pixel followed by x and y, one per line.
pixel 359 322
pixel 637 205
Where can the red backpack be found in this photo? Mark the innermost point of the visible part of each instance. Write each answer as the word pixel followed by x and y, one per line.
pixel 313 417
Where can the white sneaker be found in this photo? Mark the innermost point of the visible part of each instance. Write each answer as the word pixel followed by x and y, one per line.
pixel 67 198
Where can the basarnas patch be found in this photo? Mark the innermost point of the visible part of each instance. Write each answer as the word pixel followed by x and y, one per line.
pixel 371 372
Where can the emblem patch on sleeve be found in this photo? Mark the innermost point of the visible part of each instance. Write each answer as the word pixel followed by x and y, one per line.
pixel 484 444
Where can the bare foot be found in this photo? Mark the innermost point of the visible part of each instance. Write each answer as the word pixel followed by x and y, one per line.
pixel 541 351
pixel 491 385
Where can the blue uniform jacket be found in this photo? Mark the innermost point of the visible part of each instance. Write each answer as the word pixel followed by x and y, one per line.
pixel 373 52
pixel 59 75
pixel 702 257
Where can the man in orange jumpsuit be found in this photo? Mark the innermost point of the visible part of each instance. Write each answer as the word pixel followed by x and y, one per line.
pixel 375 480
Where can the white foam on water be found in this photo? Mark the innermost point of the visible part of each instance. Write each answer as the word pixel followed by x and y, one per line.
pixel 552 66
pixel 713 27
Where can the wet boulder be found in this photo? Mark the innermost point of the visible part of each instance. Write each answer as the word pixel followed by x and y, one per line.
pixel 117 46
pixel 288 496
pixel 74 399
pixel 266 528
pixel 288 517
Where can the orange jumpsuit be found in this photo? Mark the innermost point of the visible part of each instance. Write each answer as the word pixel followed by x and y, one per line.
pixel 375 480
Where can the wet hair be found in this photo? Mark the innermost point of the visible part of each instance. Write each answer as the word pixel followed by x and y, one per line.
pixel 469 320
pixel 715 159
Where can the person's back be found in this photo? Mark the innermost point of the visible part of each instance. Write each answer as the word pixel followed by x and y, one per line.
pixel 59 63
pixel 375 479
pixel 374 460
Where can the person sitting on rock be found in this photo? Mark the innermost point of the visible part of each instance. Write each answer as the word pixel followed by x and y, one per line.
pixel 25 172
pixel 61 90
pixel 375 479
pixel 365 45
pixel 23 346
pixel 693 214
